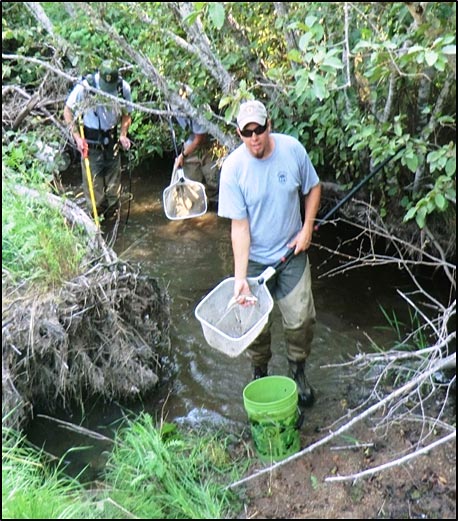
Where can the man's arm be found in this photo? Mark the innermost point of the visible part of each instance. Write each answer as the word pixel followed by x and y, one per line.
pixel 196 143
pixel 241 240
pixel 69 118
pixel 312 204
pixel 126 121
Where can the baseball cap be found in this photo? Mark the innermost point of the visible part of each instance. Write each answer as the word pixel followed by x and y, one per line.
pixel 109 75
pixel 252 111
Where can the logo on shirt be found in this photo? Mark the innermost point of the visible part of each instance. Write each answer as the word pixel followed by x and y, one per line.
pixel 282 177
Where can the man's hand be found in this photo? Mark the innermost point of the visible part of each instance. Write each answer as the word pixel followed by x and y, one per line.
pixel 82 145
pixel 179 161
pixel 125 142
pixel 242 293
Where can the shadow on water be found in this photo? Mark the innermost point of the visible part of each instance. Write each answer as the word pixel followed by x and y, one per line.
pixel 191 257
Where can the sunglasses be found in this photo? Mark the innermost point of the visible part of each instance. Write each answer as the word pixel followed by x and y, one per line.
pixel 260 129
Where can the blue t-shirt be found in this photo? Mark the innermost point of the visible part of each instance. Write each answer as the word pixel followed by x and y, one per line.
pixel 267 193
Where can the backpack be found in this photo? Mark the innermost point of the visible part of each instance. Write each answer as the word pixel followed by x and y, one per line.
pixel 99 136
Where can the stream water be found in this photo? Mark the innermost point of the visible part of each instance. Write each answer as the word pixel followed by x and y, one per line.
pixel 191 257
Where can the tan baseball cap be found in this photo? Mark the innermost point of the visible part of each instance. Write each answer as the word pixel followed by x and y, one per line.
pixel 252 111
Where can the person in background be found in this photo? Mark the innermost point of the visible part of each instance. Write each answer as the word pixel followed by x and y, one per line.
pixel 101 118
pixel 262 185
pixel 196 157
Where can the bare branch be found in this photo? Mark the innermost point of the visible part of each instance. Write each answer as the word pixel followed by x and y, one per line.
pixel 42 18
pixel 200 46
pixel 77 428
pixel 281 10
pixel 417 10
pixel 76 79
pixel 394 463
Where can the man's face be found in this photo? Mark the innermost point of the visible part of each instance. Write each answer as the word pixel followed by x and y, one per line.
pixel 256 138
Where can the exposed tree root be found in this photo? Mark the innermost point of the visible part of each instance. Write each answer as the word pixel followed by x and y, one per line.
pixel 101 333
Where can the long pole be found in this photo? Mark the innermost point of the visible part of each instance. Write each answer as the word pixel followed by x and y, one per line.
pixel 85 154
pixel 172 130
pixel 353 191
pixel 129 166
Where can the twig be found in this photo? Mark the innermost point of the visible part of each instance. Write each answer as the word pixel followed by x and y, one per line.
pixel 396 462
pixel 128 514
pixel 77 428
pixel 354 446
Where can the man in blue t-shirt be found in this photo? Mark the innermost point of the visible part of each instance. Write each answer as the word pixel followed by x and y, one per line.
pixel 260 186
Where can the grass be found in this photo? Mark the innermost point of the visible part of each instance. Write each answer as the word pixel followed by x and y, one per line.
pixel 152 473
pixel 158 474
pixel 409 338
pixel 32 489
pixel 38 244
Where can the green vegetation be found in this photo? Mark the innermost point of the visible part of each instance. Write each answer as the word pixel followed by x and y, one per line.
pixel 153 473
pixel 353 82
pixel 38 244
pixel 409 352
pixel 158 473
pixel 32 489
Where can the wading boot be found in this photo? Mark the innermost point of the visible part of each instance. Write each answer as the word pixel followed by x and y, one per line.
pixel 304 389
pixel 259 371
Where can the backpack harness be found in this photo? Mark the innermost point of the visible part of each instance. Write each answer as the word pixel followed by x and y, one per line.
pixel 98 138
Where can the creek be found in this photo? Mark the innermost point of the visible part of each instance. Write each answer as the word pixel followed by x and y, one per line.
pixel 202 385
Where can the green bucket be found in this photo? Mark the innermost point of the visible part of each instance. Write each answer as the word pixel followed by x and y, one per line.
pixel 271 405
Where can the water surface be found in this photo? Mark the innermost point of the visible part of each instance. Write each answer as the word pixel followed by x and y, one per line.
pixel 203 385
